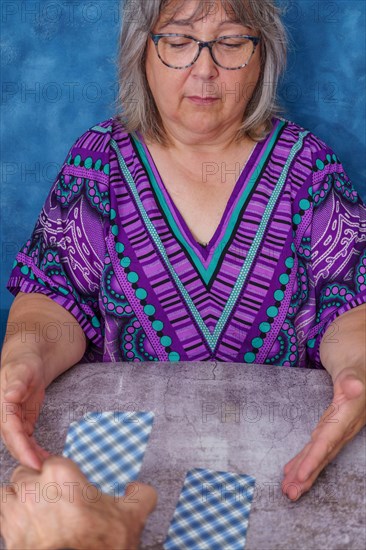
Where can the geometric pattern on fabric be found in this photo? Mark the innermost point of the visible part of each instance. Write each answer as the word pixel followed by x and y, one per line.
pixel 286 259
pixel 204 268
pixel 213 337
pixel 109 447
pixel 212 512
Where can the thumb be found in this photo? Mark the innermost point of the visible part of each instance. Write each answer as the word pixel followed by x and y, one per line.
pixel 149 499
pixel 349 383
pixel 15 389
pixel 140 497
pixel 16 381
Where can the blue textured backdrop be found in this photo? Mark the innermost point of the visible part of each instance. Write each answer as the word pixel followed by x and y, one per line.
pixel 59 78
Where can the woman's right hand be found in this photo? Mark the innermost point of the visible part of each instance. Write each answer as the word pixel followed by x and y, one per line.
pixel 22 391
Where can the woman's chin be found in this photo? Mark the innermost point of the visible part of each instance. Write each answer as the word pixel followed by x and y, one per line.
pixel 203 125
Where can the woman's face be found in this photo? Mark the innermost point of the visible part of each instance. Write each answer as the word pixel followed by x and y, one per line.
pixel 173 89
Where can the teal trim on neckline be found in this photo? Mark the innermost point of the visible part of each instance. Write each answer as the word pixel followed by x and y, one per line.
pixel 212 338
pixel 207 273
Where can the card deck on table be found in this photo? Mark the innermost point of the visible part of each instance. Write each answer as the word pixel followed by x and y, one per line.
pixel 212 511
pixel 109 447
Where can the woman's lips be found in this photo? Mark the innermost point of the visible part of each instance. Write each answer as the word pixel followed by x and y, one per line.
pixel 203 101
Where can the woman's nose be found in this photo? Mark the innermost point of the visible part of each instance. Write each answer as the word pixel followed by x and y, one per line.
pixel 205 65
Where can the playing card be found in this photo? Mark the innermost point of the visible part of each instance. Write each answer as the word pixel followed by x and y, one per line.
pixel 212 511
pixel 109 447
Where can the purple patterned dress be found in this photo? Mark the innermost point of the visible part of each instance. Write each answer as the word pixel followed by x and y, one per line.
pixel 288 257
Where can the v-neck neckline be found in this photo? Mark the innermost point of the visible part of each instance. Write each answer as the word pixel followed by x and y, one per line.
pixel 207 259
pixel 168 272
pixel 239 184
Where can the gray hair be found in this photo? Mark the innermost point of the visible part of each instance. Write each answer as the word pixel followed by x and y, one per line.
pixel 135 105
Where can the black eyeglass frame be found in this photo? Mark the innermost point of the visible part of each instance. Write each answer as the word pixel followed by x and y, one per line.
pixel 201 44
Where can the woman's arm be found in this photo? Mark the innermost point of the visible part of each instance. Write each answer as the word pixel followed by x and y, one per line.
pixel 344 343
pixel 40 326
pixel 42 340
pixel 343 354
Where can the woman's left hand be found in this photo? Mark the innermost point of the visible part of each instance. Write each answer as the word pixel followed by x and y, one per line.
pixel 341 421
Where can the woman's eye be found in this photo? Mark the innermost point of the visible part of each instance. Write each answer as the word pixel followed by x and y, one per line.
pixel 232 45
pixel 179 45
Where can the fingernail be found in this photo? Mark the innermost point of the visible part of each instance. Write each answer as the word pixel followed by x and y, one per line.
pixel 10 389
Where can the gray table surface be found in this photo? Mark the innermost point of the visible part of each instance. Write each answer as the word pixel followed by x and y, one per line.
pixel 234 417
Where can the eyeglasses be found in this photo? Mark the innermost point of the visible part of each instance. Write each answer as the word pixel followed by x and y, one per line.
pixel 180 51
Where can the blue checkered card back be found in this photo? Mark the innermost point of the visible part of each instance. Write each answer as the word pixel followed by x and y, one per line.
pixel 212 512
pixel 109 447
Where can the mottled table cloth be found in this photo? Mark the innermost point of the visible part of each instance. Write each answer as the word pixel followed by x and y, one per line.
pixel 232 417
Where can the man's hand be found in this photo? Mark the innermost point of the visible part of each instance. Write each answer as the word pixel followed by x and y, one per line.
pixel 342 420
pixel 58 508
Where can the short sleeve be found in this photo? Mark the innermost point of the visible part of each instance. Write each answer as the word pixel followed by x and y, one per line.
pixel 333 248
pixel 64 256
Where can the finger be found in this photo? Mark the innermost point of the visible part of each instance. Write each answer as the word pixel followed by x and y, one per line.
pixel 14 419
pixel 19 417
pixel 328 438
pixel 328 457
pixel 300 459
pixel 148 499
pixel 23 448
pixel 332 436
pixel 307 464
pixel 21 444
pixel 288 467
pixel 140 510
pixel 318 455
pixel 294 484
pixel 297 458
pixel 139 497
pixel 329 429
pixel 16 391
pixel 315 455
pixel 17 383
pixel 293 488
pixel 64 469
pixel 349 384
pixel 24 473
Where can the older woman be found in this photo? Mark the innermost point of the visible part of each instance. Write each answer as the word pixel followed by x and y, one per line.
pixel 196 225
